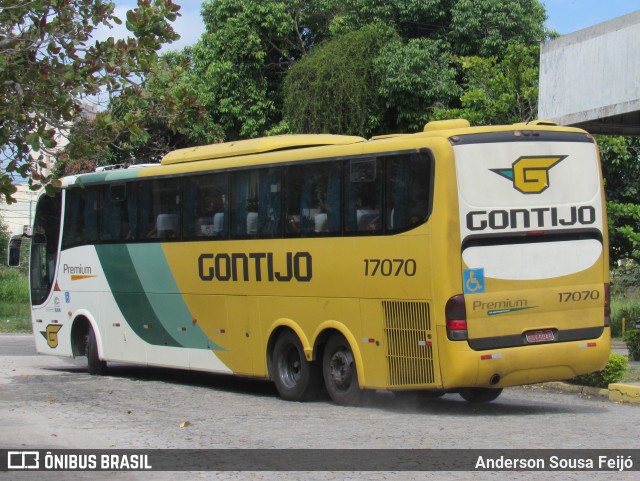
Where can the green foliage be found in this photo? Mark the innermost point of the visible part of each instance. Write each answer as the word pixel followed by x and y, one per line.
pixel 612 373
pixel 5 235
pixel 240 62
pixel 410 18
pixel 416 77
pixel 14 320
pixel 246 70
pixel 498 90
pixel 14 286
pixel 49 62
pixel 620 167
pixel 625 280
pixel 628 310
pixel 621 170
pixel 339 81
pixel 164 115
pixel 487 28
pixel 632 340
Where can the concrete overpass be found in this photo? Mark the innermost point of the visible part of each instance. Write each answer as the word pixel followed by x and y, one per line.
pixel 591 78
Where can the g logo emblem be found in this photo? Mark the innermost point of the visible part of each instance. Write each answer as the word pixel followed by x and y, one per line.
pixel 530 175
pixel 51 335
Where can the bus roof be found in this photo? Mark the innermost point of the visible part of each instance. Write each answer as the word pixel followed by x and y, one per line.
pixel 256 146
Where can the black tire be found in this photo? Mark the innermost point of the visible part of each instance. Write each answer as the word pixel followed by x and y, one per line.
pixel 94 365
pixel 296 379
pixel 480 394
pixel 339 371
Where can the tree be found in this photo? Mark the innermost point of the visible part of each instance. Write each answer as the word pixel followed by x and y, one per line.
pixel 164 115
pixel 416 76
pixel 240 62
pixel 621 170
pixel 500 90
pixel 49 63
pixel 339 82
pixel 485 28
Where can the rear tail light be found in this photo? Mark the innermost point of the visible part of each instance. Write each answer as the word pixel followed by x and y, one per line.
pixel 456 316
pixel 607 305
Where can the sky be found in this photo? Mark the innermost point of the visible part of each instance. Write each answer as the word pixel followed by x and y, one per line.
pixel 564 16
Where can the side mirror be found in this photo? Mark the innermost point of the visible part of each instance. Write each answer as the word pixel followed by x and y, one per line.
pixel 13 252
pixel 39 239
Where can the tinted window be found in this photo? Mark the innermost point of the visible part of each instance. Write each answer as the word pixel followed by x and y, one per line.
pixel 119 218
pixel 313 199
pixel 256 203
pixel 82 211
pixel 44 247
pixel 364 193
pixel 160 209
pixel 206 206
pixel 408 190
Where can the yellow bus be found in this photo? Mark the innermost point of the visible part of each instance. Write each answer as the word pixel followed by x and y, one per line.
pixel 457 259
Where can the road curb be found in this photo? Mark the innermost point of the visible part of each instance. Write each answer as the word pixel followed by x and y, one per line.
pixel 586 390
pixel 628 393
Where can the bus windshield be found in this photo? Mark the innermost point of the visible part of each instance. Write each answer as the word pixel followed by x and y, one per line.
pixel 44 247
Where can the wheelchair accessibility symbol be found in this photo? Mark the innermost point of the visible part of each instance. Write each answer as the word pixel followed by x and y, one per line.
pixel 473 281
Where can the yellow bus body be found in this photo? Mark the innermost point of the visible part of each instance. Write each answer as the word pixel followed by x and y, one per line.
pixel 395 324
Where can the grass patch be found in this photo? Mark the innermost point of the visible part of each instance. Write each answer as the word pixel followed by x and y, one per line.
pixel 15 315
pixel 627 309
pixel 15 325
pixel 632 375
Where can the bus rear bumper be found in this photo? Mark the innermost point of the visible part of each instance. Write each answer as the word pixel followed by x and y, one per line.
pixel 523 365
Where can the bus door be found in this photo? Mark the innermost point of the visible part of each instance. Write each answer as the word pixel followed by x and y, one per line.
pixel 532 238
pixel 47 310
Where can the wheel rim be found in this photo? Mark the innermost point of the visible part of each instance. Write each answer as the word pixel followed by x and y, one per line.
pixel 341 369
pixel 290 367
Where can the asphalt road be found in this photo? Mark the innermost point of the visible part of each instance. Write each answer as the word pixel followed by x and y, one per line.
pixel 51 403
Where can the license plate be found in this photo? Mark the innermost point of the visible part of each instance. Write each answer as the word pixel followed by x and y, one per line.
pixel 540 336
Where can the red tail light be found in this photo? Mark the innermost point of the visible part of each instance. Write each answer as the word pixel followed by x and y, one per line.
pixel 456 315
pixel 607 305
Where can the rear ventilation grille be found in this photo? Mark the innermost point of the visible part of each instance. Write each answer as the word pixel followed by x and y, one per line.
pixel 409 350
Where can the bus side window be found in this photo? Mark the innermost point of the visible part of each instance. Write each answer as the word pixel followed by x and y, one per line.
pixel 244 203
pixel 119 216
pixel 269 203
pixel 408 190
pixel 81 216
pixel 160 210
pixel 256 205
pixel 205 206
pixel 364 195
pixel 312 200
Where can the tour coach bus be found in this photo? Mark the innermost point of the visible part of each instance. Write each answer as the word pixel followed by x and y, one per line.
pixel 458 259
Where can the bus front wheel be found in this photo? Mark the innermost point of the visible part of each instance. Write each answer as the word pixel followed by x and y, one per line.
pixel 339 371
pixel 480 394
pixel 295 378
pixel 95 365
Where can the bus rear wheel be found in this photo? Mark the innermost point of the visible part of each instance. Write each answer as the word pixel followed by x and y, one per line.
pixel 339 371
pixel 95 365
pixel 480 394
pixel 296 379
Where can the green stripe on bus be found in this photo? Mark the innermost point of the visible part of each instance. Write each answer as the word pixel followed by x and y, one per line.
pixel 163 294
pixel 151 315
pixel 107 176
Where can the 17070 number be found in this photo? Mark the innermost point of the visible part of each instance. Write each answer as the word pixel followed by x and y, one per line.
pixel 577 296
pixel 390 267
